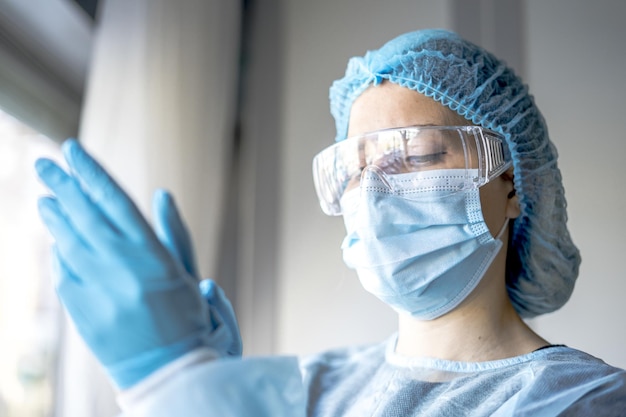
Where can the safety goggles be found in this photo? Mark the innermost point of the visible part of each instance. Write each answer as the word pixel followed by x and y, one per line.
pixel 480 154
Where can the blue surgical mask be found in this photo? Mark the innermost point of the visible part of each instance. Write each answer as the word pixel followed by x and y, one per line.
pixel 420 249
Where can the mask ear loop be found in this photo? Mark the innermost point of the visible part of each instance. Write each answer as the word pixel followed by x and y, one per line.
pixel 502 229
pixel 511 194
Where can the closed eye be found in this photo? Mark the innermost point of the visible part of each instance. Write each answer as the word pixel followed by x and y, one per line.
pixel 419 161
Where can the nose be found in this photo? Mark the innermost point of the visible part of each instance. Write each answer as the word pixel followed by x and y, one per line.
pixel 375 176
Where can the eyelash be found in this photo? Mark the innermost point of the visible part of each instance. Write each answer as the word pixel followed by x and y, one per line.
pixel 417 160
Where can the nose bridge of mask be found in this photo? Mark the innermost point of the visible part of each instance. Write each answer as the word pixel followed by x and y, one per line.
pixel 424 193
pixel 417 185
pixel 427 186
pixel 373 179
pixel 374 176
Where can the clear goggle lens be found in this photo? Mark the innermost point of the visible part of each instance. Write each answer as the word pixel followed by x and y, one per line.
pixel 480 152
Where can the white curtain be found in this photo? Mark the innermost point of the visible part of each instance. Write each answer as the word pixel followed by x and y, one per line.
pixel 159 112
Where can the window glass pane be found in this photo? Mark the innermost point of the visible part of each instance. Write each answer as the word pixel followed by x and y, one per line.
pixel 29 310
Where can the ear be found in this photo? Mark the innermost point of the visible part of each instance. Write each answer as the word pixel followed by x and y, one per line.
pixel 512 205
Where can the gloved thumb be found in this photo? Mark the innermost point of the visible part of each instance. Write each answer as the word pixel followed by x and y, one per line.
pixel 172 232
pixel 226 337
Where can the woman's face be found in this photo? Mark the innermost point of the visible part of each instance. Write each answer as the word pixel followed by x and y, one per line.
pixel 389 105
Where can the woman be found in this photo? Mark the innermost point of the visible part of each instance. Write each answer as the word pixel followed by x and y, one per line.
pixel 455 217
pixel 461 263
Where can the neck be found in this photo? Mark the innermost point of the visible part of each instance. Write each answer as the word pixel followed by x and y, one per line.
pixel 484 327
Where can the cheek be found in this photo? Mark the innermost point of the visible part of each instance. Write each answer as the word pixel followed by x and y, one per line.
pixel 493 198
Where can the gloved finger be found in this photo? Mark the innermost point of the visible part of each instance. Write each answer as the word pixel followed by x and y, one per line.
pixel 62 272
pixel 66 282
pixel 172 232
pixel 218 302
pixel 86 217
pixel 70 288
pixel 69 243
pixel 105 192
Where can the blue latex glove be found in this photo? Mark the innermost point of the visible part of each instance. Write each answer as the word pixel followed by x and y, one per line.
pixel 172 232
pixel 136 307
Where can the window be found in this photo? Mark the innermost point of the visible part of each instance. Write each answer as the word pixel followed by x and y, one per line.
pixel 29 310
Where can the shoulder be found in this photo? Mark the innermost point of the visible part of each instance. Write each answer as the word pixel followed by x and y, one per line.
pixel 576 361
pixel 337 369
pixel 342 359
pixel 578 383
pixel 333 378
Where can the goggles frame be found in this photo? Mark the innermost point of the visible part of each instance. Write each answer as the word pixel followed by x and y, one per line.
pixel 337 164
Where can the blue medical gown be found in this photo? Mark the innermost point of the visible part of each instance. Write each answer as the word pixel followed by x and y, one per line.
pixel 375 381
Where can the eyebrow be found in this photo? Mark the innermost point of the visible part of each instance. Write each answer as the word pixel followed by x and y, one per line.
pixel 420 125
pixel 397 127
pixel 427 124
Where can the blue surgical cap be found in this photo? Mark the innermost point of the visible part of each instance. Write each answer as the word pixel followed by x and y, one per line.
pixel 542 263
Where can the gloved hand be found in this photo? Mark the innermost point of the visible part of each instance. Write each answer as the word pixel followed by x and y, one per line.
pixel 173 234
pixel 136 307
